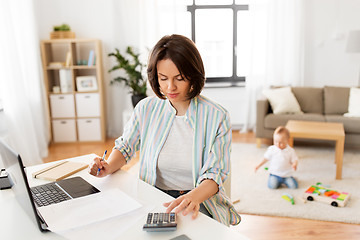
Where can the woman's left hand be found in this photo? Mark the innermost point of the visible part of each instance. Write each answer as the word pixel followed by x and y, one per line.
pixel 186 203
pixel 191 201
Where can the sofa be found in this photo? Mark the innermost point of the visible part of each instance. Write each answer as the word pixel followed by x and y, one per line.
pixel 326 104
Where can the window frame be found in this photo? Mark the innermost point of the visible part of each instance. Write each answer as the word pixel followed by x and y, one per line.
pixel 233 80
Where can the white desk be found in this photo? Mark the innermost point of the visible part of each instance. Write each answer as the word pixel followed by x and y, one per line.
pixel 15 224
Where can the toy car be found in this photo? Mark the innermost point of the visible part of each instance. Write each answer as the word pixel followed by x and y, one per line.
pixel 326 195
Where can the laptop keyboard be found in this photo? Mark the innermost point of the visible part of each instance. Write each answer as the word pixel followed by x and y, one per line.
pixel 48 194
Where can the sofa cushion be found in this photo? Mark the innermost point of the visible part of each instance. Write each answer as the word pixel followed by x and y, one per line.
pixel 336 100
pixel 351 125
pixel 274 120
pixel 282 100
pixel 310 99
pixel 354 100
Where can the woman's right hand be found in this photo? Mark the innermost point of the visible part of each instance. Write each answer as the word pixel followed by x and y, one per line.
pixel 96 164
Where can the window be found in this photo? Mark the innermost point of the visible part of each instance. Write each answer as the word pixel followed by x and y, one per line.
pixel 220 29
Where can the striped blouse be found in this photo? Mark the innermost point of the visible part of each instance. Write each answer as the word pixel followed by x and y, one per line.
pixel 149 127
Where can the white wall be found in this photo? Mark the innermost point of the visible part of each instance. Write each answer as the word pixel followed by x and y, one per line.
pixel 327 23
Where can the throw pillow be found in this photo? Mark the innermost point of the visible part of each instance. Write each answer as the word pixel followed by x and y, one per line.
pixel 354 100
pixel 282 101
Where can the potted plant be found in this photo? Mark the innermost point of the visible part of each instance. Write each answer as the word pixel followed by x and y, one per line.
pixel 62 31
pixel 133 68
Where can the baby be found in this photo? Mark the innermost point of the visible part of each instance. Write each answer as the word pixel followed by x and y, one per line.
pixel 282 160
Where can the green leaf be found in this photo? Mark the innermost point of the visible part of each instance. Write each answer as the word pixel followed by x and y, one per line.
pixel 133 69
pixel 62 27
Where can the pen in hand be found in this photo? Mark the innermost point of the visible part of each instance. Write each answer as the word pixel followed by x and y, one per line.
pixel 102 159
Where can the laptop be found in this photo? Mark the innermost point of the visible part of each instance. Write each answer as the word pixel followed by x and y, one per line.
pixel 31 199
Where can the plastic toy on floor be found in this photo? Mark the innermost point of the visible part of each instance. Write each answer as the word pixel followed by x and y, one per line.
pixel 323 194
pixel 288 197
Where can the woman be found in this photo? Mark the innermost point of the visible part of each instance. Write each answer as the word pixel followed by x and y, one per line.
pixel 184 138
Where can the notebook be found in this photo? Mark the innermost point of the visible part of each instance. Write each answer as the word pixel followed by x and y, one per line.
pixel 59 170
pixel 70 188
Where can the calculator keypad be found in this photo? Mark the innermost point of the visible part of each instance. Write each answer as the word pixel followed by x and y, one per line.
pixel 160 222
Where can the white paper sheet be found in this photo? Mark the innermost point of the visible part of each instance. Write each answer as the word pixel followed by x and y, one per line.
pixel 111 228
pixel 82 211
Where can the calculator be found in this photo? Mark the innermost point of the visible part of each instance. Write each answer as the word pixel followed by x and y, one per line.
pixel 160 222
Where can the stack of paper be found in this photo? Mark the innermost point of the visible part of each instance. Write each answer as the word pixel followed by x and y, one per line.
pixel 82 211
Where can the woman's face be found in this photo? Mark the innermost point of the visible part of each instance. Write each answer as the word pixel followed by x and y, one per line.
pixel 174 86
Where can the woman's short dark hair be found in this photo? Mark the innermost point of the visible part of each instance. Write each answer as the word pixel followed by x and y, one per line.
pixel 184 54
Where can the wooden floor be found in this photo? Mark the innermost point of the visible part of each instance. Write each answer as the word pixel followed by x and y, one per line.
pixel 253 226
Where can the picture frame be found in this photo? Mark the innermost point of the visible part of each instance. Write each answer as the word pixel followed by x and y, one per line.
pixel 86 83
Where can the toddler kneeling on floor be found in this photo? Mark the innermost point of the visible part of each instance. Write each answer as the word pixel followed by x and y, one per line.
pixel 282 160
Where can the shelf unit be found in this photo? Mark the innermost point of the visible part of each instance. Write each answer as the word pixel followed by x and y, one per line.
pixel 76 109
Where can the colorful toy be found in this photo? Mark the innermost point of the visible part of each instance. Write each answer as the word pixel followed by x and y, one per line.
pixel 322 194
pixel 288 197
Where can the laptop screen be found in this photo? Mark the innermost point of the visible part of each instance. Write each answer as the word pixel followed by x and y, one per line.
pixel 15 169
